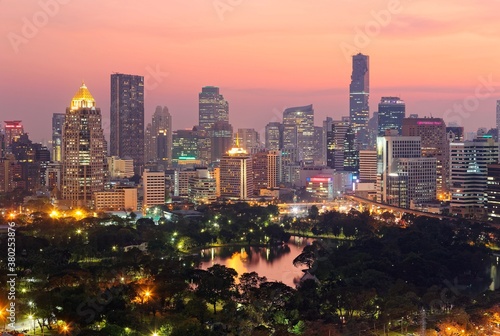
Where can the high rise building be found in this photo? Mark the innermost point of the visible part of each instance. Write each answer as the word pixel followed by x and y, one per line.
pixel 13 130
pixel 434 143
pixel 212 107
pixel 359 92
pixel 351 154
pixel 83 160
pixel 127 118
pixel 153 183
pixel 274 136
pixel 404 177
pixel 236 175
pixel 493 192
pixel 367 165
pixel 469 162
pixel 248 139
pixel 391 112
pixel 274 170
pixel 298 132
pixel 120 168
pixel 319 145
pixel 259 170
pixel 185 146
pixel 335 143
pixel 57 131
pixel 327 127
pixel 222 139
pixel 159 139
pixel 202 187
pixel 498 119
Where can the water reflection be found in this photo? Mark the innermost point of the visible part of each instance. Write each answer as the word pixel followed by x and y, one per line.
pixel 275 263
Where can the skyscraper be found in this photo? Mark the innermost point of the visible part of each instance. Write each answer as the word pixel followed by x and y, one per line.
pixel 212 107
pixel 335 143
pixel 127 118
pixel 274 136
pixel 236 176
pixel 434 142
pixel 161 127
pixel 404 177
pixel 498 119
pixel 13 130
pixel 359 92
pixel 298 132
pixel 83 161
pixel 391 112
pixel 222 139
pixel 469 162
pixel 57 130
pixel 249 139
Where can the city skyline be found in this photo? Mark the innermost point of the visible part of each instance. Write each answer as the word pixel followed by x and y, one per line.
pixel 262 69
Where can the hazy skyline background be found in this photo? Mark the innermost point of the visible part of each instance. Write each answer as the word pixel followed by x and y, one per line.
pixel 264 56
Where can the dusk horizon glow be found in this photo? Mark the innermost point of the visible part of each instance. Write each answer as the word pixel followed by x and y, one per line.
pixel 264 57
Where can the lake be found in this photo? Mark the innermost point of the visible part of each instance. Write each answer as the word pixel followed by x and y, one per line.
pixel 273 262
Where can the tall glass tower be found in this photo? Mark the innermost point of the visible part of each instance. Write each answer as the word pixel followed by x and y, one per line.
pixel 127 118
pixel 359 92
pixel 212 107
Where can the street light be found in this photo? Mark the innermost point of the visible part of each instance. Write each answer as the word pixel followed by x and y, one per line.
pixel 31 317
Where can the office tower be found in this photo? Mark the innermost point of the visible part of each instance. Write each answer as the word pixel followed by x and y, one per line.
pixel 212 107
pixel 498 119
pixel 274 136
pixel 83 161
pixel 222 139
pixel 327 127
pixel 182 183
pixel 127 118
pixel 469 171
pixel 248 139
pixel 298 132
pixel 351 153
pixel 153 183
pixel 455 133
pixel 149 149
pixel 493 192
pixel 274 170
pixel 161 127
pixel 335 143
pixel 13 130
pixel 372 132
pixel 202 187
pixel 404 177
pixel 32 159
pixel 391 112
pixel 319 145
pixel 57 130
pixel 359 92
pixel 236 175
pixel 259 170
pixel 367 165
pixel 434 142
pixel 185 146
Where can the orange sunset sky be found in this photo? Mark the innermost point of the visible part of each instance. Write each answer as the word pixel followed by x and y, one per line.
pixel 264 55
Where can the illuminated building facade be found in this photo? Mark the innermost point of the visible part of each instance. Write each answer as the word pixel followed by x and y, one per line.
pixel 127 118
pixel 320 187
pixel 434 143
pixel 391 112
pixel 57 131
pixel 298 133
pixel 153 183
pixel 493 192
pixel 469 162
pixel 236 176
pixel 202 187
pixel 404 177
pixel 359 92
pixel 83 161
pixel 212 107
pixel 13 130
pixel 158 137
pixel 274 136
